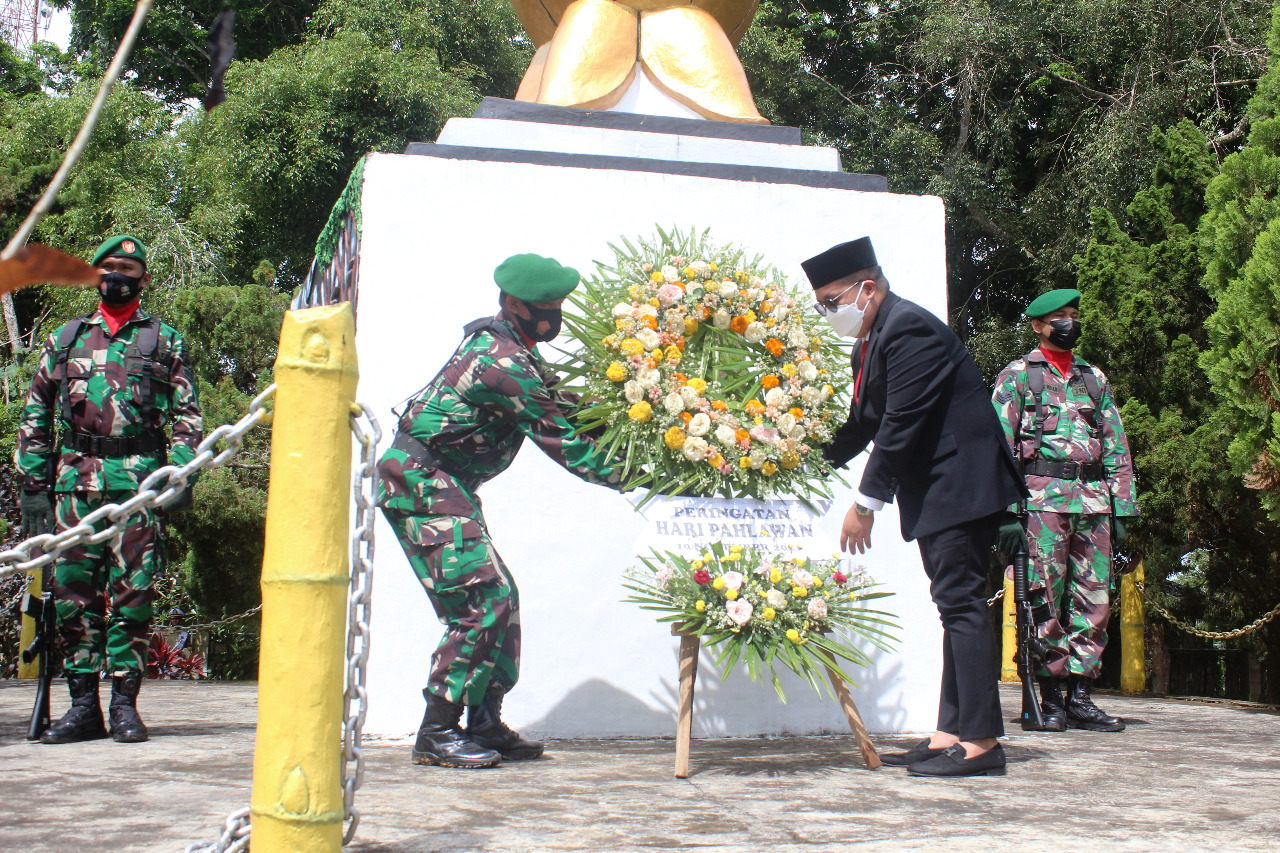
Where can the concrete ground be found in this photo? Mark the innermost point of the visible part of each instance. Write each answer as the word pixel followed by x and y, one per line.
pixel 1184 776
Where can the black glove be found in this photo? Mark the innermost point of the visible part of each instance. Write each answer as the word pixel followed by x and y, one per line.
pixel 1012 537
pixel 1118 533
pixel 185 498
pixel 37 512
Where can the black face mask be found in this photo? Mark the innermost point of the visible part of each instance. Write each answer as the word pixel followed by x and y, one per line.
pixel 551 316
pixel 1064 333
pixel 120 289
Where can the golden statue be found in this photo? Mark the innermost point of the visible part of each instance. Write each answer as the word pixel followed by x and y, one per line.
pixel 589 52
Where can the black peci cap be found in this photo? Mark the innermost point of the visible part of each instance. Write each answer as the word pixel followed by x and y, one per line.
pixel 839 261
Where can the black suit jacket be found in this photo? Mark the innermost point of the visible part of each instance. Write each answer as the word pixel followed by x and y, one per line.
pixel 938 443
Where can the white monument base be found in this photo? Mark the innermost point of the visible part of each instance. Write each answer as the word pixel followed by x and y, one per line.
pixel 434 227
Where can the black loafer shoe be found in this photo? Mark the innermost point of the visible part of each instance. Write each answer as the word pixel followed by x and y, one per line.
pixel 952 762
pixel 919 752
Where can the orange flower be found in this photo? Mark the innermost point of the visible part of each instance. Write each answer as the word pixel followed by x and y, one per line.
pixel 796 412
pixel 742 293
pixel 703 313
pixel 742 437
pixel 649 322
pixel 686 417
pixel 719 405
pixel 774 346
pixel 769 381
pixel 679 342
pixel 754 407
pixel 738 325
pixel 678 380
pixel 766 307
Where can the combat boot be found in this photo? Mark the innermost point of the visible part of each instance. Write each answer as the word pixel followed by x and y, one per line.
pixel 1052 709
pixel 442 741
pixel 1083 714
pixel 485 728
pixel 126 725
pixel 84 719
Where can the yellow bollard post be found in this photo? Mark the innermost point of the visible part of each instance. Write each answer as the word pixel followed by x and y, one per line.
pixel 296 805
pixel 1133 633
pixel 1009 666
pixel 27 632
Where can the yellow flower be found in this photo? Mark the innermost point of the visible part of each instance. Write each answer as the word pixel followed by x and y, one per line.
pixel 708 557
pixel 744 462
pixel 817 582
pixel 768 468
pixel 750 316
pixel 714 267
pixel 715 460
pixel 632 347
pixel 674 438
pixel 690 272
pixel 701 606
pixel 616 372
pixel 775 575
pixel 655 276
pixel 792 634
pixel 718 583
pixel 790 460
pixel 609 341
pixel 788 370
pixel 620 323
pixel 699 385
pixel 731 558
pixel 731 594
pixel 696 564
pixel 769 613
pixel 735 548
pixel 673 354
pixel 690 326
pixel 641 412
pixel 799 592
pixel 655 303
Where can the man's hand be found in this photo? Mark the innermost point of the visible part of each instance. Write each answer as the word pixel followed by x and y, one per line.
pixel 856 532
pixel 37 513
pixel 1012 537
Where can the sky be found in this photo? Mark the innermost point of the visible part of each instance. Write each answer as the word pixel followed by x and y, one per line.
pixel 59 31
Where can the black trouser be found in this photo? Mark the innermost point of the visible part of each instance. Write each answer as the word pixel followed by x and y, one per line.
pixel 956 561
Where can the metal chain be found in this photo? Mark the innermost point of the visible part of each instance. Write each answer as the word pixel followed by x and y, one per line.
pixel 156 492
pixel 235 836
pixel 355 699
pixel 204 626
pixel 1213 635
pixel 991 602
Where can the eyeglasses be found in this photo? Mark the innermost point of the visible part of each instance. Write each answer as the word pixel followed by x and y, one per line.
pixel 832 304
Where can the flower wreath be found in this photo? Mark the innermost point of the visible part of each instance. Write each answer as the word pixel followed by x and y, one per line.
pixel 704 372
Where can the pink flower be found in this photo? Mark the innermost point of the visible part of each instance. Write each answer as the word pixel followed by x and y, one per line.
pixel 818 608
pixel 725 468
pixel 664 574
pixel 740 611
pixel 669 294
pixel 801 577
pixel 733 580
pixel 764 569
pixel 766 435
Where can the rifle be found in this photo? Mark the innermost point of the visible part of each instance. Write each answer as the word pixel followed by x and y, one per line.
pixel 1031 648
pixel 45 644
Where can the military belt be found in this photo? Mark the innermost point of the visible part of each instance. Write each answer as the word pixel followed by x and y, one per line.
pixel 113 446
pixel 1087 471
pixel 421 453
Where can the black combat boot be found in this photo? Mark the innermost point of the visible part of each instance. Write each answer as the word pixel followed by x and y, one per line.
pixel 485 728
pixel 1051 707
pixel 84 720
pixel 442 741
pixel 126 725
pixel 1083 714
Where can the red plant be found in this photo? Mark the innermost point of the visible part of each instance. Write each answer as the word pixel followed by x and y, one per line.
pixel 164 661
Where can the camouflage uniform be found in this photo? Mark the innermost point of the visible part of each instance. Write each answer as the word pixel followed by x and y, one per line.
pixel 472 419
pixel 1068 521
pixel 104 592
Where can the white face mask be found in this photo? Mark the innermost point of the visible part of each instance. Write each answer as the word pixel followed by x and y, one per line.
pixel 847 320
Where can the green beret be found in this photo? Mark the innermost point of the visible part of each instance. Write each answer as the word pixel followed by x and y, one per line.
pixel 1047 303
pixel 122 245
pixel 534 278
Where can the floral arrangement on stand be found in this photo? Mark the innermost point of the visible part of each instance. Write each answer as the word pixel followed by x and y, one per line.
pixel 765 606
pixel 704 371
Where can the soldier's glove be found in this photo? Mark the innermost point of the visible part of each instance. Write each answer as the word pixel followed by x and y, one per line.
pixel 1118 533
pixel 37 512
pixel 186 498
pixel 1012 537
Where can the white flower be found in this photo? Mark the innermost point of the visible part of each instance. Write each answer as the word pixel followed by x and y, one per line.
pixel 797 433
pixel 755 294
pixel 622 309
pixel 690 398
pixel 818 608
pixel 700 268
pixel 730 420
pixel 776 599
pixel 812 395
pixel 694 449
pixel 786 422
pixel 673 403
pixel 670 273
pixel 755 332
pixel 724 435
pixel 733 580
pixel 758 458
pixel 664 575
pixel 644 309
pixel 727 289
pixel 648 337
pixel 633 391
pixel 797 337
pixel 700 425
pixel 807 371
pixel 775 397
pixel 780 312
pixel 648 377
pixel 721 319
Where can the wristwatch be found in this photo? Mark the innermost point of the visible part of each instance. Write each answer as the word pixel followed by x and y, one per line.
pixel 861 510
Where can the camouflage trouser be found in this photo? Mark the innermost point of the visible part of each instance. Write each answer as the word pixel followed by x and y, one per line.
pixel 473 595
pixel 103 592
pixel 1071 556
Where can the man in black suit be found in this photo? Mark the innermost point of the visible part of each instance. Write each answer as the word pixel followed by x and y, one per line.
pixel 938 448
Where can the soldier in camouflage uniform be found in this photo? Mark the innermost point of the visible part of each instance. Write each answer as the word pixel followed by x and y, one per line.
pixel 1060 420
pixel 107 384
pixel 460 431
